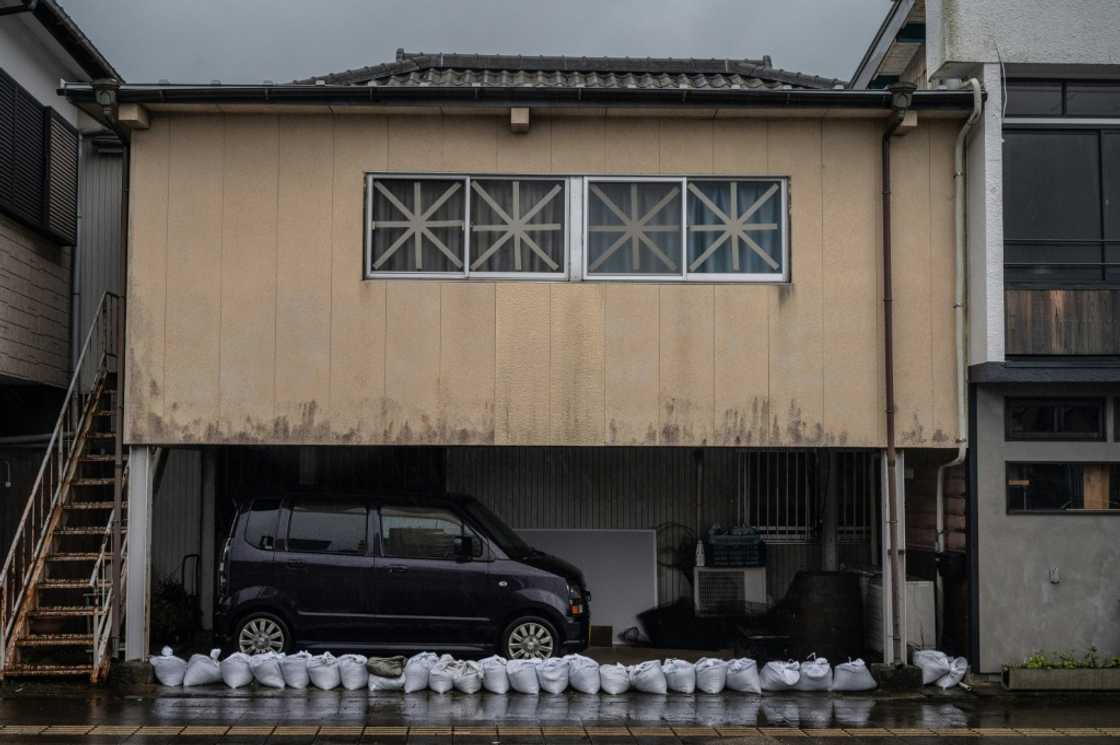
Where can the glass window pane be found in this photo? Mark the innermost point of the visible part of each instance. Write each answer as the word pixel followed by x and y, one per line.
pixel 419 533
pixel 1044 487
pixel 735 227
pixel 417 225
pixel 1093 99
pixel 633 227
pixel 1034 98
pixel 1110 171
pixel 260 525
pixel 328 526
pixel 1051 185
pixel 517 226
pixel 1053 419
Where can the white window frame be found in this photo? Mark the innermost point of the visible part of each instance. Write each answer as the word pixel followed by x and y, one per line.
pixel 684 275
pixel 466 272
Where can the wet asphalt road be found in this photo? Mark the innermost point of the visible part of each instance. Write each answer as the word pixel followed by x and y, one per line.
pixel 228 717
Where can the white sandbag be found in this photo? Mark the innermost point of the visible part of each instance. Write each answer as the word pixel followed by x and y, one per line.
pixel 553 675
pixel 711 675
pixel 468 678
pixel 378 683
pixel 203 670
pixel 322 669
pixel 294 669
pixel 780 676
pixel 583 673
pixel 352 672
pixel 168 668
pixel 934 665
pixel 614 679
pixel 648 678
pixel 742 676
pixel 958 668
pixel 816 675
pixel 523 676
pixel 266 669
pixel 680 675
pixel 494 678
pixel 852 675
pixel 441 679
pixel 416 671
pixel 236 671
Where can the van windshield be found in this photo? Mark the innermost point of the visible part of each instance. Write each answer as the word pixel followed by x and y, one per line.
pixel 509 541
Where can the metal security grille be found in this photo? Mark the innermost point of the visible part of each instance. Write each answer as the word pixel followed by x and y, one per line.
pixel 858 487
pixel 778 494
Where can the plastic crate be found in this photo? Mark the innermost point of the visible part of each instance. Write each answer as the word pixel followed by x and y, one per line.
pixel 735 547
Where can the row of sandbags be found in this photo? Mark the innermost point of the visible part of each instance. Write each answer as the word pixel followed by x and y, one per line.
pixel 428 671
pixel 940 669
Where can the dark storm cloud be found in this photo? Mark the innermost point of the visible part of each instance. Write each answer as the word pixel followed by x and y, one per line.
pixel 254 40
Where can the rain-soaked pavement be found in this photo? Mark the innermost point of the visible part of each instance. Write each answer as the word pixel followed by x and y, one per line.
pixel 77 715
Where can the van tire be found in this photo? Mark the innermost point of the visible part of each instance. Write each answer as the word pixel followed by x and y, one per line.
pixel 257 629
pixel 529 636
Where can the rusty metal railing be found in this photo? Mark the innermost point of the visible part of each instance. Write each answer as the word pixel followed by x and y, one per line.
pixel 98 358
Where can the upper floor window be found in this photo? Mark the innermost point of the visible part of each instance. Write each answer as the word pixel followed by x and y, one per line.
pixel 1063 487
pixel 1054 419
pixel 703 229
pixel 1057 98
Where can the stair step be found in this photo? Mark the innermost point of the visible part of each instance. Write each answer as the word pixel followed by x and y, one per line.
pixel 102 457
pixel 73 556
pixel 56 640
pixel 84 530
pixel 88 506
pixel 93 482
pixel 62 611
pixel 101 435
pixel 104 412
pixel 66 584
pixel 47 670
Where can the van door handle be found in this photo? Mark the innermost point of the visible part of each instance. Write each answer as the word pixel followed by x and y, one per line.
pixel 397 568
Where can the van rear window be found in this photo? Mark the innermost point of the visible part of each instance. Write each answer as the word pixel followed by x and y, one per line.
pixel 260 525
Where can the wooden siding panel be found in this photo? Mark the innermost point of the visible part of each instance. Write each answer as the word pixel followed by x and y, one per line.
pixel 631 360
pixel 687 372
pixel 852 340
pixel 466 371
pixel 147 276
pixel 357 384
pixel 796 334
pixel 942 271
pixel 412 362
pixel 1063 322
pixel 910 244
pixel 742 376
pixel 193 293
pixel 248 271
pixel 576 364
pixel 303 290
pixel 521 391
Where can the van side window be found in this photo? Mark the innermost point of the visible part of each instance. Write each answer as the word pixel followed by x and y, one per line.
pixel 260 524
pixel 420 533
pixel 327 526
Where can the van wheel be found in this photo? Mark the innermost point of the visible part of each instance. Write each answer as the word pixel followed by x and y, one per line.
pixel 262 632
pixel 529 637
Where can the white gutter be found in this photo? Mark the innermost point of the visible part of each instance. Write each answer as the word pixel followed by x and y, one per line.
pixel 959 338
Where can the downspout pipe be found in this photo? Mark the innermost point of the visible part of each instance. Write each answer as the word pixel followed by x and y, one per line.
pixel 901 98
pixel 959 333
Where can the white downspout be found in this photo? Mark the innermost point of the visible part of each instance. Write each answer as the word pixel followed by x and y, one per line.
pixel 959 337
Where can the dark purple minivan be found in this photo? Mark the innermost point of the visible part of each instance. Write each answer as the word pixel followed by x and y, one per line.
pixel 358 572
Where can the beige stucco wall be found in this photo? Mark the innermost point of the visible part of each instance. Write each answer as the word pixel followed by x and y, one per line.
pixel 249 320
pixel 34 307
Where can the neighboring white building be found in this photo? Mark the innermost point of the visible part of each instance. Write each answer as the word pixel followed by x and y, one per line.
pixel 1043 248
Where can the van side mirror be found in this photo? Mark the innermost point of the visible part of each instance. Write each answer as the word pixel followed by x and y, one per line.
pixel 467 547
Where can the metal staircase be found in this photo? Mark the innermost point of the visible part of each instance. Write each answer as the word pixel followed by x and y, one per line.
pixel 58 596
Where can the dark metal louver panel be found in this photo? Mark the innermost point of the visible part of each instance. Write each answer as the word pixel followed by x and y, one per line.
pixel 27 161
pixel 62 178
pixel 7 120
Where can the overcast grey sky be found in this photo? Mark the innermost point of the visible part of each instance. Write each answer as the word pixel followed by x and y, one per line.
pixel 280 40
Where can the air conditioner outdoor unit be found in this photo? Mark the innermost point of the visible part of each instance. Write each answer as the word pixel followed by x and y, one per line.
pixel 729 591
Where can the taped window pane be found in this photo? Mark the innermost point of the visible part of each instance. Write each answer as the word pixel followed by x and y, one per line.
pixel 517 225
pixel 735 227
pixel 634 227
pixel 417 225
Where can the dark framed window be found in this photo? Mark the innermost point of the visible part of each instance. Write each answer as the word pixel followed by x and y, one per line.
pixel 1054 419
pixel 1061 206
pixel 1063 487
pixel 421 533
pixel 1057 98
pixel 329 526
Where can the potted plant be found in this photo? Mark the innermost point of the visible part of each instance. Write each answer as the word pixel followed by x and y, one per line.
pixel 1062 671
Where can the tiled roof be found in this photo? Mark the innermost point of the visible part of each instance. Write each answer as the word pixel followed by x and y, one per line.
pixel 420 70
